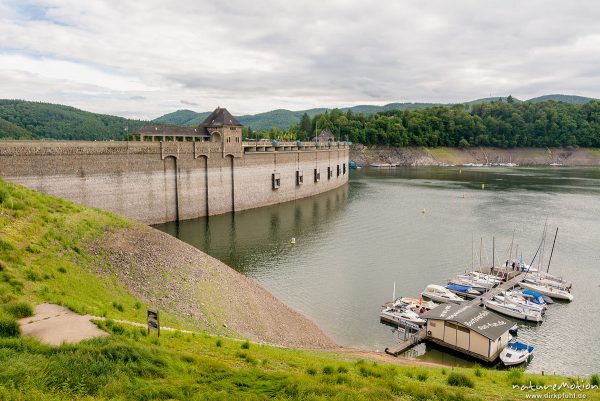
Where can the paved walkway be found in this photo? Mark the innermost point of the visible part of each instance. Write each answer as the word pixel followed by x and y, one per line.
pixel 55 324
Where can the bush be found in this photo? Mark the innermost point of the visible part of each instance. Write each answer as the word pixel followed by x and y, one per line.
pixel 62 269
pixel 32 275
pixel 9 327
pixel 595 380
pixel 219 343
pixel 422 376
pixel 478 371
pixel 311 371
pixel 245 345
pixel 459 380
pixel 18 309
pixel 118 306
pixel 342 369
pixel 515 375
pixel 327 370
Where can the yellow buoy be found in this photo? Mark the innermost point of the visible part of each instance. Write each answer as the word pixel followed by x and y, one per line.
pixel 293 241
pixel 482 186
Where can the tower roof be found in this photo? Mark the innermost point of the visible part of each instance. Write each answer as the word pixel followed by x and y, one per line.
pixel 219 118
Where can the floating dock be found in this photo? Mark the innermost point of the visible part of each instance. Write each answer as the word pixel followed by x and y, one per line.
pixel 513 278
pixel 414 339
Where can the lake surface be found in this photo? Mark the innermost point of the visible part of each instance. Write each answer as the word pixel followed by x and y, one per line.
pixel 415 226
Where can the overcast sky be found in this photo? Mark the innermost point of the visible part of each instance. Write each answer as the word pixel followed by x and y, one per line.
pixel 146 58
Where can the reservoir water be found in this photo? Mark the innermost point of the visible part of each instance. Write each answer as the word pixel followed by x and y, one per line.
pixel 414 226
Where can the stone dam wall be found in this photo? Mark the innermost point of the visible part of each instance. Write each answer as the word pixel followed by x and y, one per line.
pixel 157 182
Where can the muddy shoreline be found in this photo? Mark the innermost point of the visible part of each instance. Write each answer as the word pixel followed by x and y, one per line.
pixel 365 156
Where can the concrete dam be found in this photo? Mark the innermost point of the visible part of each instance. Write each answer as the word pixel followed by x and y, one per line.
pixel 177 173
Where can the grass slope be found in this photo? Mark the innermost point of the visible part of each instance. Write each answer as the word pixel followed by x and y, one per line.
pixel 44 257
pixel 129 365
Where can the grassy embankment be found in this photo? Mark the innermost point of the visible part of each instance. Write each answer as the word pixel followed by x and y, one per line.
pixel 44 259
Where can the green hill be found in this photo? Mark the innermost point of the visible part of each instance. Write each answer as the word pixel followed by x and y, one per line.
pixel 283 119
pixel 9 130
pixel 182 117
pixel 55 121
pixel 562 98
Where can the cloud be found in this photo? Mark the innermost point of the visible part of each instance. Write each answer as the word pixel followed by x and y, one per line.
pixel 141 58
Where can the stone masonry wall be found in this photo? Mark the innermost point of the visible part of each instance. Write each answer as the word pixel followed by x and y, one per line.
pixel 155 182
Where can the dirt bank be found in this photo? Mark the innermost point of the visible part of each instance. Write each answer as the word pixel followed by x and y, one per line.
pixel 411 156
pixel 201 290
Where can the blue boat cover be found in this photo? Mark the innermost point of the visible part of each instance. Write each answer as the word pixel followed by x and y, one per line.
pixel 460 288
pixel 520 346
pixel 536 295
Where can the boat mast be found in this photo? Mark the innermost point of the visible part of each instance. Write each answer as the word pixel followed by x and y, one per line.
pixel 552 251
pixel 480 251
pixel 493 252
pixel 472 253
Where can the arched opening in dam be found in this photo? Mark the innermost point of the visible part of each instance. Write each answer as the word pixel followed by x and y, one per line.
pixel 171 192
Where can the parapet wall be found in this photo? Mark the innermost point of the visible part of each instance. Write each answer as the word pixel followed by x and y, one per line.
pixel 156 182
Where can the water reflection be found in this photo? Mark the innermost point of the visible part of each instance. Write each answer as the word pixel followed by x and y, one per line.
pixel 414 227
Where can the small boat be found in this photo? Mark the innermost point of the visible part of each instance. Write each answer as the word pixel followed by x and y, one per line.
pixel 530 296
pixel 464 291
pixel 426 304
pixel 551 281
pixel 552 292
pixel 441 294
pixel 402 317
pixel 519 301
pixel 471 282
pixel 515 353
pixel 516 311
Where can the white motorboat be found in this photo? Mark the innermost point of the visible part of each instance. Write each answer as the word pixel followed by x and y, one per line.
pixel 552 292
pixel 441 294
pixel 478 281
pixel 534 297
pixel 513 310
pixel 516 353
pixel 552 281
pixel 464 291
pixel 402 317
pixel 520 301
pixel 414 301
pixel 470 282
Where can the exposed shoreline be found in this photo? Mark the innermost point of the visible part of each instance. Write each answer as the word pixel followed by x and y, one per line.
pixel 365 156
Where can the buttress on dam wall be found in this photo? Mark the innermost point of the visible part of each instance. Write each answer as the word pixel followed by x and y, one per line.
pixel 176 178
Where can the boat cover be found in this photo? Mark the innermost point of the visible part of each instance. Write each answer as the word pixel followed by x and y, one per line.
pixel 539 298
pixel 459 288
pixel 520 346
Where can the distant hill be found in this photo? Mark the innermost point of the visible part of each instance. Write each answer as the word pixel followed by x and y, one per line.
pixel 280 118
pixel 182 117
pixel 563 98
pixel 21 119
pixel 283 119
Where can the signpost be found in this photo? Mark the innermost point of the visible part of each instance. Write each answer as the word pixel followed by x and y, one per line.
pixel 153 322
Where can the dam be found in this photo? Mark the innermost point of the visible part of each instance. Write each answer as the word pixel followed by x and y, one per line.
pixel 177 173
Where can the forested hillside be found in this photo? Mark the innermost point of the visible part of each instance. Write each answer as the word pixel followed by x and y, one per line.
pixel 55 121
pixel 502 123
